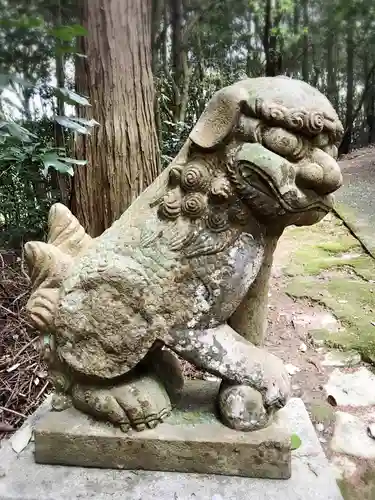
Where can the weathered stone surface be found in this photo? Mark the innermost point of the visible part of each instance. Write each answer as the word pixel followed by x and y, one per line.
pixel 292 369
pixel 343 467
pixel 350 437
pixel 191 440
pixel 354 389
pixel 341 358
pixel 371 430
pixel 187 266
pixel 312 477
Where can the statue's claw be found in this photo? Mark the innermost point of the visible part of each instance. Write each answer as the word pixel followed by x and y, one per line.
pixel 138 404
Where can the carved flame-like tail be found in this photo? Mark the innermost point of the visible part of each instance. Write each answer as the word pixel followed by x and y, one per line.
pixel 49 263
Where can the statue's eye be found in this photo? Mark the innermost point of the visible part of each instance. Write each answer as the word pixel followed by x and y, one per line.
pixel 284 143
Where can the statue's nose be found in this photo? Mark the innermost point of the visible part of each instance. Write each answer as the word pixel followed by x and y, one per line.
pixel 322 174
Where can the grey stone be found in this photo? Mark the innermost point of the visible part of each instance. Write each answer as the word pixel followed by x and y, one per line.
pixel 350 437
pixel 312 478
pixel 371 430
pixel 303 347
pixel 354 389
pixel 341 358
pixel 316 321
pixel 325 321
pixel 187 265
pixel 191 440
pixel 292 369
pixel 343 467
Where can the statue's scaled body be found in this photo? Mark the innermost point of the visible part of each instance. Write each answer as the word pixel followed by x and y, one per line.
pixel 171 272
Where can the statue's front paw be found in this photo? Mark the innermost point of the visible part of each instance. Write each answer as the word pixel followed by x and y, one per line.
pixel 274 382
pixel 241 407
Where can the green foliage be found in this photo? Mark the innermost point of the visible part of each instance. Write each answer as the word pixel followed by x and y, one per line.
pixel 57 161
pixel 68 33
pixel 71 97
pixel 30 160
pixel 295 442
pixel 25 193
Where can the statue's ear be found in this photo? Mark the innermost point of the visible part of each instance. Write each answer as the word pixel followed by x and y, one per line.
pixel 219 117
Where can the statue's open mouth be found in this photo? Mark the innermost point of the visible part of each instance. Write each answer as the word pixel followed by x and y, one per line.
pixel 307 200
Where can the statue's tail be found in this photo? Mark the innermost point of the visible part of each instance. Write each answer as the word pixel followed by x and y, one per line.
pixel 49 263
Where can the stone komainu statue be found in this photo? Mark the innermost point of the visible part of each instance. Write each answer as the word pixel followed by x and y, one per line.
pixel 173 269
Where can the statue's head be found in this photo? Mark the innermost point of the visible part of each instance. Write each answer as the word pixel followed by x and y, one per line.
pixel 276 139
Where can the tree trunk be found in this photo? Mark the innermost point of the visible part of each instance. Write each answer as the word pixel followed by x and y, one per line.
pixel 177 52
pixel 349 116
pixel 371 112
pixel 267 38
pixel 272 15
pixel 369 101
pixel 60 182
pixel 249 47
pixel 122 152
pixel 156 37
pixel 331 68
pixel 305 41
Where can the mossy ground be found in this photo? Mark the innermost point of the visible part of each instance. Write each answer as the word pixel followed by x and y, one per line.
pixel 363 489
pixel 328 266
pixel 321 412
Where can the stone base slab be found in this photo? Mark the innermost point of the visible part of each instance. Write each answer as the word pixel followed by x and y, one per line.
pixel 23 479
pixel 192 440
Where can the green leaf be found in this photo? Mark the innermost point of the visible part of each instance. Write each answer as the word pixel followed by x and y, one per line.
pixel 12 104
pixel 54 161
pixel 87 123
pixel 24 22
pixel 295 442
pixel 22 81
pixel 17 131
pixel 66 122
pixel 4 81
pixel 74 161
pixel 68 33
pixel 71 97
pixel 62 164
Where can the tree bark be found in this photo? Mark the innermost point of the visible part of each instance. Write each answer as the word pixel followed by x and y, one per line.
pixel 267 38
pixel 272 18
pixel 331 68
pixel 370 108
pixel 349 115
pixel 60 182
pixel 178 54
pixel 249 47
pixel 305 42
pixel 122 152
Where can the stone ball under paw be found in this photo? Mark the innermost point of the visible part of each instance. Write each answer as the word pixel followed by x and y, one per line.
pixel 241 408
